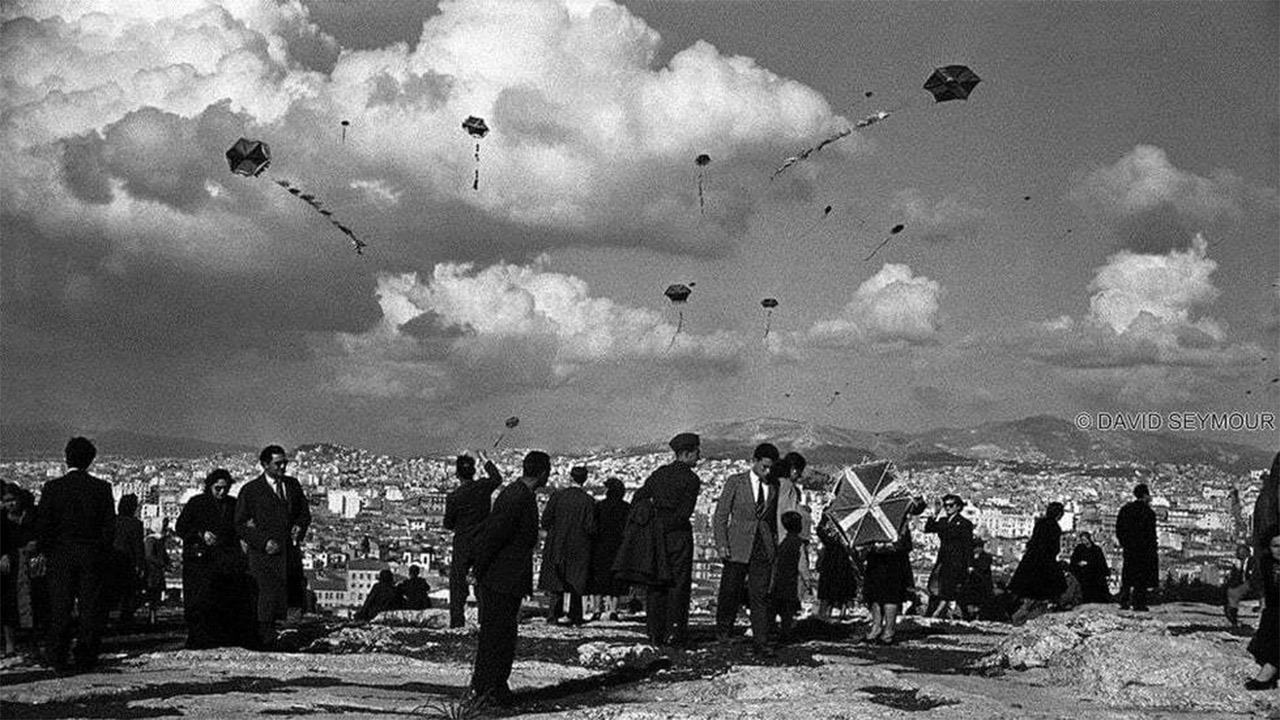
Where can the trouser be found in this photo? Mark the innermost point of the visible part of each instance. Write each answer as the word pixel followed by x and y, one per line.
pixel 757 572
pixel 557 607
pixel 496 644
pixel 75 574
pixel 459 588
pixel 667 607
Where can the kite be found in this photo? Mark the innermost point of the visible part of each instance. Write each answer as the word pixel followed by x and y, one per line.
pixel 833 397
pixel 768 304
pixel 477 129
pixel 702 161
pixel 870 505
pixel 678 295
pixel 892 231
pixel 951 82
pixel 251 158
pixel 510 424
pixel 345 124
pixel 825 212
pixel 867 121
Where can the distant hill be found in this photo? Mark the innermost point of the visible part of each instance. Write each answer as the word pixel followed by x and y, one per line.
pixel 46 440
pixel 1039 439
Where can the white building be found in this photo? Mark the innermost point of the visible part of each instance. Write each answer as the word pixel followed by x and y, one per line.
pixel 344 503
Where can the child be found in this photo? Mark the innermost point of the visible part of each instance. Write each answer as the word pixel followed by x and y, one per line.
pixel 782 598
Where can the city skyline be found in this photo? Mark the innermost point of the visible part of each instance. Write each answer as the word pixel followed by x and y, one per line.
pixel 1093 231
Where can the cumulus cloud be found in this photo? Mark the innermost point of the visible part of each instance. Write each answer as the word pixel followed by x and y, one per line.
pixel 1153 204
pixel 515 326
pixel 1143 311
pixel 892 305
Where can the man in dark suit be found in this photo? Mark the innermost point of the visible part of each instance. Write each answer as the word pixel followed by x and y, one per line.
pixel 272 517
pixel 504 548
pixel 743 525
pixel 673 490
pixel 465 508
pixel 75 529
pixel 1136 531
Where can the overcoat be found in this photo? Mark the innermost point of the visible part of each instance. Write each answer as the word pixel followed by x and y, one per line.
pixel 1038 575
pixel 642 556
pixel 1136 531
pixel 505 542
pixel 262 515
pixel 955 534
pixel 570 521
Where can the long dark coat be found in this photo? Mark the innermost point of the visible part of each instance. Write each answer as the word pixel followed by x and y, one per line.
pixel 1038 575
pixel 642 556
pixel 1136 531
pixel 570 521
pixel 611 520
pixel 262 515
pixel 956 536
pixel 505 541
pixel 216 593
pixel 1089 565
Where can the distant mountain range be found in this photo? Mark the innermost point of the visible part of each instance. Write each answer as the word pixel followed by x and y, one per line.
pixel 46 440
pixel 1035 440
pixel 1040 439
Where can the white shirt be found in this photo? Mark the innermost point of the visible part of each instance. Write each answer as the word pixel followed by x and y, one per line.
pixel 756 482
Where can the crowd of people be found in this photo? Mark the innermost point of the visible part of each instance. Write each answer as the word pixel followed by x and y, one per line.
pixel 77 555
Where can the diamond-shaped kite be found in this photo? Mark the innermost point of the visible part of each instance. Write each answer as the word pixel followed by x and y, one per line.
pixel 870 505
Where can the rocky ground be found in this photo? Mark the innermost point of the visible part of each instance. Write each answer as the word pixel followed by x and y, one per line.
pixel 1180 661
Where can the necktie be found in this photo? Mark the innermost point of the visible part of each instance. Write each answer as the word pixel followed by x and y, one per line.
pixel 280 489
pixel 760 501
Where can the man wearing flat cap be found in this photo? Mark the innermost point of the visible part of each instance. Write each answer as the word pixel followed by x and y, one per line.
pixel 673 491
pixel 570 521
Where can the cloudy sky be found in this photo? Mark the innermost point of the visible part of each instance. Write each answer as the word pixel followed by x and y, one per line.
pixel 1094 230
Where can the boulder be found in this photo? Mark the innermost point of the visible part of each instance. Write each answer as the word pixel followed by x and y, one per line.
pixel 608 656
pixel 434 619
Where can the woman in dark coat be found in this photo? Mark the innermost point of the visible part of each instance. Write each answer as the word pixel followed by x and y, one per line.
pixel 1265 646
pixel 128 561
pixel 1089 565
pixel 887 579
pixel 977 589
pixel 611 519
pixel 955 536
pixel 217 595
pixel 1038 579
pixel 837 577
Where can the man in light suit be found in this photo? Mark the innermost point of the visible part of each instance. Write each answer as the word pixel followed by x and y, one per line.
pixel 743 525
pixel 272 518
pixel 504 548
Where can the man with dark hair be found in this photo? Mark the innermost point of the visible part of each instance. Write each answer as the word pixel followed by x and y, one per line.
pixel 569 518
pixel 383 596
pixel 76 528
pixel 504 547
pixel 415 590
pixel 465 508
pixel 272 518
pixel 743 525
pixel 672 492
pixel 1136 531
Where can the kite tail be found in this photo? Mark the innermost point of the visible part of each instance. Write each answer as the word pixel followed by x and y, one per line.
pixel 475 184
pixel 702 206
pixel 768 323
pixel 679 326
pixel 495 442
pixel 315 204
pixel 873 252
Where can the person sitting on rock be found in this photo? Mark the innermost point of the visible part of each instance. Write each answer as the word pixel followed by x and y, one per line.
pixel 1238 583
pixel 415 590
pixel 384 595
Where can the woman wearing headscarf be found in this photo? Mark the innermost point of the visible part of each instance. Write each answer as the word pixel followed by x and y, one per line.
pixel 215 584
pixel 1038 579
pixel 611 520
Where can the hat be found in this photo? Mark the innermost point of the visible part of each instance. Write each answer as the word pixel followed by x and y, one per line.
pixel 578 472
pixel 684 442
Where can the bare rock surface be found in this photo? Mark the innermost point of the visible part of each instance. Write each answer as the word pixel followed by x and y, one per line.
pixel 1178 662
